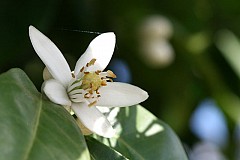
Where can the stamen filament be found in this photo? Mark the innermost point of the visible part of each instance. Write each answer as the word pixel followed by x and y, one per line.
pixel 77 91
pixel 92 104
pixel 75 85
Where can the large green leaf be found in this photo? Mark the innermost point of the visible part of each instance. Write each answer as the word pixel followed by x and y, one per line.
pixel 32 128
pixel 100 151
pixel 141 136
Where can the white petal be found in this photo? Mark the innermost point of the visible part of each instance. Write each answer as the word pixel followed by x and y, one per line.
pixel 50 55
pixel 117 94
pixel 93 119
pixel 101 48
pixel 56 92
pixel 85 130
pixel 46 74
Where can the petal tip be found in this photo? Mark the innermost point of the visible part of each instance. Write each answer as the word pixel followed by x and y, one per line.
pixel 31 29
pixel 110 35
pixel 145 95
pixel 107 37
pixel 30 26
pixel 33 33
pixel 110 133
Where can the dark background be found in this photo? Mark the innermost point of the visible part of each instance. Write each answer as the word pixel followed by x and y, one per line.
pixel 199 71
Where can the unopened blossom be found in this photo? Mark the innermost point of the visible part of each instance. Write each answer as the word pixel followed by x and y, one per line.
pixel 88 86
pixel 154 48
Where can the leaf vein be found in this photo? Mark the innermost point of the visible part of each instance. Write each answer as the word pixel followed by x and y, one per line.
pixel 140 157
pixel 34 133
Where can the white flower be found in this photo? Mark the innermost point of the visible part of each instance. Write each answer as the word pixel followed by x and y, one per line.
pixel 87 86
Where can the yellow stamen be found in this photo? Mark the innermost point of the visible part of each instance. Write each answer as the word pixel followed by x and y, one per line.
pixel 104 83
pixel 91 81
pixel 91 62
pixel 111 74
pixel 97 72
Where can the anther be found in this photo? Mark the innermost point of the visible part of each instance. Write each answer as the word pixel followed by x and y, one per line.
pixel 82 69
pixel 104 83
pixel 73 75
pixel 97 91
pixel 97 72
pixel 91 62
pixel 111 74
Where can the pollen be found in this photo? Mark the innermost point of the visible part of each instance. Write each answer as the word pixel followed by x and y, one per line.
pixel 91 80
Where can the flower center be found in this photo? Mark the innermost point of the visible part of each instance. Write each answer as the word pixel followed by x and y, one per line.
pixel 85 88
pixel 91 80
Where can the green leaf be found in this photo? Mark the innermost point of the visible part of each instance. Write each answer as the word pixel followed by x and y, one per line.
pixel 141 136
pixel 99 151
pixel 33 128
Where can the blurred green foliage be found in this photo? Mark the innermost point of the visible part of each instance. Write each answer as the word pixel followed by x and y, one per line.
pixel 199 70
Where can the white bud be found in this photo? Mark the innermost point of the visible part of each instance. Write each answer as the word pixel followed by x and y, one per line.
pixel 157 54
pixel 156 27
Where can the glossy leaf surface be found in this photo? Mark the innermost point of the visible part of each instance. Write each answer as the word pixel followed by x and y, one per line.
pixel 141 136
pixel 33 128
